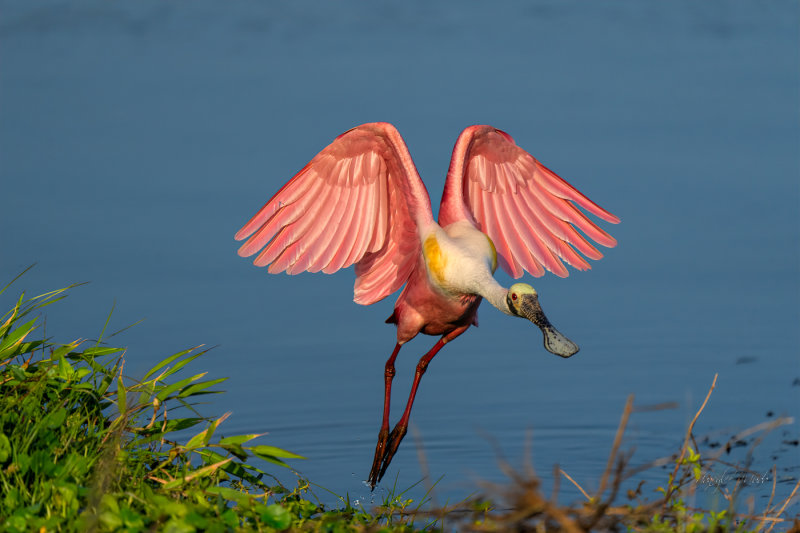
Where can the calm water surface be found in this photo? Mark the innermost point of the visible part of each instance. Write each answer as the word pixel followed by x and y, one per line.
pixel 136 138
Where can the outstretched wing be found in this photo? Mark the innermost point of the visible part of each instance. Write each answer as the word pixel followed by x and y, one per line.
pixel 525 208
pixel 359 201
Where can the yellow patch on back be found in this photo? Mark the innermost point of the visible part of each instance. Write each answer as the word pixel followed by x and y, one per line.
pixel 434 258
pixel 494 254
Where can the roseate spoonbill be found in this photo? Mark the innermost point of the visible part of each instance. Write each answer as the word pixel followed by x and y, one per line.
pixel 361 201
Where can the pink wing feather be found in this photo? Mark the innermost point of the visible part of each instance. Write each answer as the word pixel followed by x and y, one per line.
pixel 359 201
pixel 525 208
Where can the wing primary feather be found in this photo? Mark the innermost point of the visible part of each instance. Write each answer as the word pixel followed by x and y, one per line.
pixel 560 229
pixel 590 228
pixel 545 246
pixel 267 255
pixel 289 257
pixel 313 225
pixel 564 210
pixel 300 261
pixel 301 227
pixel 291 191
pixel 552 231
pixel 286 259
pixel 279 239
pixel 558 186
pixel 282 217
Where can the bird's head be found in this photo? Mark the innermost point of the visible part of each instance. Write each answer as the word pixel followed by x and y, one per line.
pixel 523 301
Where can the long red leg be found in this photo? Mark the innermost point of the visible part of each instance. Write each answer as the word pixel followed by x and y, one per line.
pixel 401 428
pixel 383 435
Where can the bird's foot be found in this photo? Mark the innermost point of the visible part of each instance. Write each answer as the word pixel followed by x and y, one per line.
pixel 391 447
pixel 384 452
pixel 383 437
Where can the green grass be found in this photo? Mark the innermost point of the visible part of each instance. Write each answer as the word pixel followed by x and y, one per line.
pixel 83 447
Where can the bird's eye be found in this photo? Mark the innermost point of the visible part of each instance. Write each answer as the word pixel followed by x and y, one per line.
pixel 513 296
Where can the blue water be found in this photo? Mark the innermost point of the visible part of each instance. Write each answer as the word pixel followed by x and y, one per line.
pixel 136 138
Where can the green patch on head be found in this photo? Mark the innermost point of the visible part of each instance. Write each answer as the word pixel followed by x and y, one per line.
pixel 516 294
pixel 522 288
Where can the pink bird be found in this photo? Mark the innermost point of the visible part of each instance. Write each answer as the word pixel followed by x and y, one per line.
pixel 361 201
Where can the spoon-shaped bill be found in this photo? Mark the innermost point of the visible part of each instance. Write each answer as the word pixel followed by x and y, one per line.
pixel 554 341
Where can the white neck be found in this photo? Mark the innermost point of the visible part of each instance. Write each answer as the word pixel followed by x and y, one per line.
pixel 495 294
